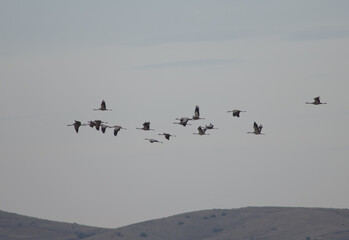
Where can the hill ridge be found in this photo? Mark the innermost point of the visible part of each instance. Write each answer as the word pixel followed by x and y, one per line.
pixel 287 223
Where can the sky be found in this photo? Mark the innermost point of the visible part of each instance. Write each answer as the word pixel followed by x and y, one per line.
pixel 155 61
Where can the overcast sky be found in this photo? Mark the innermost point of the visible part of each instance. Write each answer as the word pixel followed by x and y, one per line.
pixel 155 61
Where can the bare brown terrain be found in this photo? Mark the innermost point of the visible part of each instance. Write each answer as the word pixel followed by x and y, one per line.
pixel 249 223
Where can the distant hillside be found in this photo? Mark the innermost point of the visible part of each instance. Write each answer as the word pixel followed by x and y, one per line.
pixel 252 223
pixel 18 227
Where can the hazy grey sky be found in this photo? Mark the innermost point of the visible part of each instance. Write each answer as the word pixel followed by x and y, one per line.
pixel 154 61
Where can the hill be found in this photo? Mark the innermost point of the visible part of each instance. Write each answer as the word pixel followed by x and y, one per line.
pixel 18 227
pixel 249 223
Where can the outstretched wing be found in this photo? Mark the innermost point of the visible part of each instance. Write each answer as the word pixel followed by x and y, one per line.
pixel 116 130
pixel 197 112
pixel 255 127
pixel 103 128
pixel 317 100
pixel 77 124
pixel 103 105
pixel 260 128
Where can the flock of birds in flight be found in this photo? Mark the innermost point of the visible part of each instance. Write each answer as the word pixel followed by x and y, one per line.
pixel 100 125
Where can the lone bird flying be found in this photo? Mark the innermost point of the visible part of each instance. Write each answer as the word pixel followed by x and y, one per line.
pixel 146 126
pixel 316 101
pixel 167 135
pixel 257 129
pixel 103 107
pixel 153 140
pixel 236 112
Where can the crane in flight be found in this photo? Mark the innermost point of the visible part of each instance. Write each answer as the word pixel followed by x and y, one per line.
pixel 316 101
pixel 146 126
pixel 202 131
pixel 210 126
pixel 103 107
pixel 104 127
pixel 197 114
pixel 153 140
pixel 236 112
pixel 257 129
pixel 167 135
pixel 117 128
pixel 182 121
pixel 77 125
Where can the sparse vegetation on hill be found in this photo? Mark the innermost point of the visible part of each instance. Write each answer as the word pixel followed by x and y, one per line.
pixel 272 223
pixel 18 227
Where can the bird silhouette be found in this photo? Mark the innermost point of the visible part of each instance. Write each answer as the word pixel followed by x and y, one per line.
pixel 236 112
pixel 210 126
pixel 167 135
pixel 153 140
pixel 197 114
pixel 202 131
pixel 316 101
pixel 104 127
pixel 146 126
pixel 257 129
pixel 103 107
pixel 77 125
pixel 182 121
pixel 117 128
